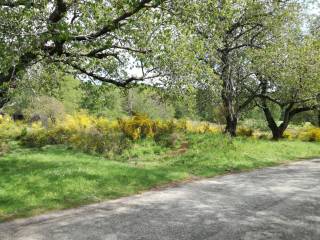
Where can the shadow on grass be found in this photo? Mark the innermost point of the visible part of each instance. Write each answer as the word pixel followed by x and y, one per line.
pixel 34 181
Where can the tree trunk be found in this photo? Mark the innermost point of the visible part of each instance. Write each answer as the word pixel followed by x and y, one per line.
pixel 277 132
pixel 231 125
pixel 228 96
pixel 230 115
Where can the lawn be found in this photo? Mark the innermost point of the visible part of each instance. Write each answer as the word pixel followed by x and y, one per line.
pixel 33 181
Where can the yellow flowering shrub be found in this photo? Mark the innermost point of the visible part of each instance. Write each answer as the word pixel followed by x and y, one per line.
pixel 290 134
pixel 245 131
pixel 9 129
pixel 261 135
pixel 202 127
pixel 311 134
pixel 137 127
pixel 101 135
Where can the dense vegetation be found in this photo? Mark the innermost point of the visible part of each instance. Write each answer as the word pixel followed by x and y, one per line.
pixel 33 181
pixel 240 54
pixel 101 99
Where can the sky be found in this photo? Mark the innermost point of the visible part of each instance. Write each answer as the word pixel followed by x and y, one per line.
pixel 313 7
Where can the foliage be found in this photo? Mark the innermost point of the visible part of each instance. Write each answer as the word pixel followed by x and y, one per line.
pixel 48 107
pixel 311 135
pixel 69 93
pixel 99 41
pixel 287 71
pixel 305 133
pixel 215 39
pixel 137 127
pixel 148 101
pixel 102 99
pixel 44 91
pixel 208 108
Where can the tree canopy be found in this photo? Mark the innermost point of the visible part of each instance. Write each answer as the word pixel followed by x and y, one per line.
pixel 228 56
pixel 100 39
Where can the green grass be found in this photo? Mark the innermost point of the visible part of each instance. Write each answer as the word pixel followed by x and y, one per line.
pixel 35 181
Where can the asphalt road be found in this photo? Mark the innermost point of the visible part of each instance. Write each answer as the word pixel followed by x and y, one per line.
pixel 273 203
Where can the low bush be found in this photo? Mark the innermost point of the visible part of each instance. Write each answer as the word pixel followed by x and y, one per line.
pixel 261 135
pixel 245 131
pixel 100 135
pixel 202 127
pixel 137 127
pixel 103 136
pixel 310 134
pixel 10 129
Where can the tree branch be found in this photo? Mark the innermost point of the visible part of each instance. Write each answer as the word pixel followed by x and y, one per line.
pixel 119 83
pixel 302 109
pixel 131 49
pixel 59 11
pixel 116 23
pixel 11 4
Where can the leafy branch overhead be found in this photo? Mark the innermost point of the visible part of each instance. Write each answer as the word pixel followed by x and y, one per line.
pixel 104 38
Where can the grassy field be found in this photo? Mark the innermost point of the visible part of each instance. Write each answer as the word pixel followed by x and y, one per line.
pixel 33 181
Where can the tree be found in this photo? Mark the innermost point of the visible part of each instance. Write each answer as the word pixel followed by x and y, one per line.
pixel 102 99
pixel 42 87
pixel 219 35
pixel 288 73
pixel 148 101
pixel 98 39
pixel 208 106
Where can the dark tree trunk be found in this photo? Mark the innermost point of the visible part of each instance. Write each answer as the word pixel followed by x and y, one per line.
pixel 231 125
pixel 230 116
pixel 289 112
pixel 277 132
